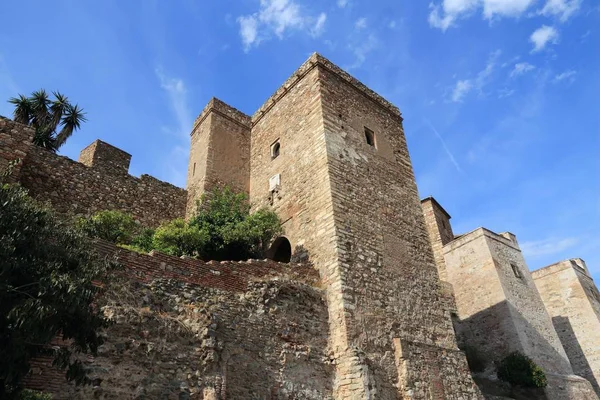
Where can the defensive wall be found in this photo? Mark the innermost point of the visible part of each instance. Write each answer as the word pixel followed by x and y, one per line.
pixel 99 181
pixel 184 328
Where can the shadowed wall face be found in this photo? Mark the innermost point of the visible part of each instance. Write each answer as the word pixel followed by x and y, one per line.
pixel 498 304
pixel 573 301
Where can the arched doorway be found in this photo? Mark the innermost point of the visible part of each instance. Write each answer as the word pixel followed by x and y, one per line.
pixel 281 250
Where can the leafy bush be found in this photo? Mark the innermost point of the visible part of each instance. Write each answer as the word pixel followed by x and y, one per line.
pixel 518 369
pixel 33 395
pixel 115 226
pixel 178 238
pixel 144 240
pixel 47 271
pixel 233 233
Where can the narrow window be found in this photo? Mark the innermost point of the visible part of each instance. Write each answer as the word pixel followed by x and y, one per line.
pixel 275 147
pixel 369 137
pixel 516 271
pixel 194 170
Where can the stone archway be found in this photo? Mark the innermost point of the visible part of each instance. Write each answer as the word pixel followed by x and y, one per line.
pixel 281 250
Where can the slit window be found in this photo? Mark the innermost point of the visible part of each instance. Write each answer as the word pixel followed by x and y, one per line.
pixel 369 137
pixel 516 271
pixel 194 170
pixel 275 149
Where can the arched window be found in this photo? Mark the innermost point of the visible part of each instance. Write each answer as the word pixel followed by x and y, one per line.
pixel 275 148
pixel 280 251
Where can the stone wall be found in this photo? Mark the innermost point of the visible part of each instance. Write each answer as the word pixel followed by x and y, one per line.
pixel 439 229
pixel 573 301
pixel 101 182
pixel 498 305
pixel 15 141
pixel 184 328
pixel 219 152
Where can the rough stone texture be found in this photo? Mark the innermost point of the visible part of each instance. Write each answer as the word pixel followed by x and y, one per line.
pixel 439 229
pixel 98 182
pixel 498 307
pixel 189 329
pixel 219 152
pixel 355 209
pixel 573 301
pixel 15 141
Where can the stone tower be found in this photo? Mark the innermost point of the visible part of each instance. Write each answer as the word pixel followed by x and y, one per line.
pixel 330 157
pixel 573 301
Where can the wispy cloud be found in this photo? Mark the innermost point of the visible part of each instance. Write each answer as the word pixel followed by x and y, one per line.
pixel 521 68
pixel 177 94
pixel 361 23
pixel 464 86
pixel 342 3
pixel 568 76
pixel 461 89
pixel 446 149
pixel 278 17
pixel 445 14
pixel 543 36
pixel 362 49
pixel 562 9
pixel 539 248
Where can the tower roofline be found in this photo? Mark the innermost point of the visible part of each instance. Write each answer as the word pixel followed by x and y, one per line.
pixel 434 201
pixel 225 110
pixel 317 60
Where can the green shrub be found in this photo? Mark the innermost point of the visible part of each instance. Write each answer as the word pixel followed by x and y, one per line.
pixel 518 369
pixel 47 271
pixel 178 238
pixel 143 241
pixel 115 226
pixel 33 395
pixel 233 233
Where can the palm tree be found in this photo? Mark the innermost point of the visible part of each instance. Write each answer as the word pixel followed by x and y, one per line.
pixel 47 116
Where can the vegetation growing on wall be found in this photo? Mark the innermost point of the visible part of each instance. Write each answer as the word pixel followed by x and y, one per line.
pixel 222 229
pixel 518 369
pixel 54 121
pixel 46 289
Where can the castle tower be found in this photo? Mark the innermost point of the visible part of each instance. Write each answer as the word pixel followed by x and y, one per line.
pixel 437 221
pixel 219 152
pixel 498 307
pixel 330 157
pixel 573 301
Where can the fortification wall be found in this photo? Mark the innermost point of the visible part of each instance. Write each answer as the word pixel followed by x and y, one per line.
pixel 573 301
pixel 77 189
pixel 184 328
pixel 437 222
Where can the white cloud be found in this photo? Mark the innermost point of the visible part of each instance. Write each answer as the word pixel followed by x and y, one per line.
pixel 505 92
pixel 342 3
pixel 278 17
pixel 461 89
pixel 248 31
pixel 565 76
pixel 446 14
pixel 521 68
pixel 538 248
pixel 563 9
pixel 361 23
pixel 542 36
pixel 319 26
pixel 177 92
pixel 361 50
pixel 464 86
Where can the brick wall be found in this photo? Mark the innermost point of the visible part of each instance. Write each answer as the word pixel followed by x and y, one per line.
pixel 15 141
pixel 437 221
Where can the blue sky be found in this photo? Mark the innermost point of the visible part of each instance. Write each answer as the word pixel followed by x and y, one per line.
pixel 500 97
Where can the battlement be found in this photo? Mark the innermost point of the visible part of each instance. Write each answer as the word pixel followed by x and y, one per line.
pixel 100 154
pixel 576 264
